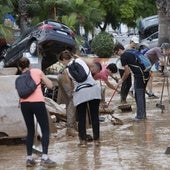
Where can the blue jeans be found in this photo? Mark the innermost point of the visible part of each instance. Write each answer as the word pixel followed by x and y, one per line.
pixel 140 103
pixel 140 88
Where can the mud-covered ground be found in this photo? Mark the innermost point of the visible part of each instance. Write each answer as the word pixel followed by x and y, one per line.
pixel 131 146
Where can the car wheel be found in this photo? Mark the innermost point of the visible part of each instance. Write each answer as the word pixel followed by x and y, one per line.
pixel 33 48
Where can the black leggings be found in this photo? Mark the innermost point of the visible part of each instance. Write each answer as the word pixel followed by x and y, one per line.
pixel 29 109
pixel 94 116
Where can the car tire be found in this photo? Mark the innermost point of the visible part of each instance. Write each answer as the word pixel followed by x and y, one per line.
pixel 33 48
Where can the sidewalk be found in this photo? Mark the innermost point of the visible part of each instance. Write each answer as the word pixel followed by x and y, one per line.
pixel 131 146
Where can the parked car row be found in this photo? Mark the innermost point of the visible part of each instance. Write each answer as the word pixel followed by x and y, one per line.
pixel 47 38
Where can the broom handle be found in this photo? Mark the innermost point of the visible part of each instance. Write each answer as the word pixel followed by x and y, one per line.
pixel 36 133
pixel 112 96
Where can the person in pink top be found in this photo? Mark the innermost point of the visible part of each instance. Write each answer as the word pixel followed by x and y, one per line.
pixel 35 105
pixel 107 70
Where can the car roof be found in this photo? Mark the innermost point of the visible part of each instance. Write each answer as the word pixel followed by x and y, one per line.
pixel 149 22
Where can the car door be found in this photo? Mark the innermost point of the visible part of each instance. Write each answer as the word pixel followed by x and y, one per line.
pixel 153 40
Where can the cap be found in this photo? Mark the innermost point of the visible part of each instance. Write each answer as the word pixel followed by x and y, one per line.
pixel 135 39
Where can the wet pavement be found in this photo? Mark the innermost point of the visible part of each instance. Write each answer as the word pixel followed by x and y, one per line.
pixel 131 146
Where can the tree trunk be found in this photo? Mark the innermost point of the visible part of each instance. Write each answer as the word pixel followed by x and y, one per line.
pixel 23 15
pixel 164 21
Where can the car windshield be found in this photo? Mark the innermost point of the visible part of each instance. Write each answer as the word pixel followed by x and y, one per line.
pixel 155 35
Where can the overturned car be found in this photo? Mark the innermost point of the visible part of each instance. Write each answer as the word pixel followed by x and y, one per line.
pixel 48 39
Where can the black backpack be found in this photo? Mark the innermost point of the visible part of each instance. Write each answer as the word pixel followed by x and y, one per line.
pixel 25 85
pixel 77 71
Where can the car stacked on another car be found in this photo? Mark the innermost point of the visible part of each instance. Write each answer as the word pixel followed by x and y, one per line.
pixel 47 39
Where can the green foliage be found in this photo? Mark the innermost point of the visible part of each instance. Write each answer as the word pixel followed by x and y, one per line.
pixel 6 32
pixel 126 11
pixel 89 13
pixel 70 21
pixel 103 45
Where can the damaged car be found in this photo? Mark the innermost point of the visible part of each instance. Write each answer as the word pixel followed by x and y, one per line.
pixel 48 39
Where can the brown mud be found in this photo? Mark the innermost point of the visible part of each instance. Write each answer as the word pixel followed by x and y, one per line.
pixel 131 146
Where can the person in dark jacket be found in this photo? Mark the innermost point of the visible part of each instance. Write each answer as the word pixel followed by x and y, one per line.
pixel 129 62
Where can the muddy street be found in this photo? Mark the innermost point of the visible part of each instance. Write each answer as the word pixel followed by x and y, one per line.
pixel 131 146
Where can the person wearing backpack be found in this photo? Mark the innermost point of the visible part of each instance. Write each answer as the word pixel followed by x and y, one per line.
pixel 130 62
pixel 65 96
pixel 86 96
pixel 34 104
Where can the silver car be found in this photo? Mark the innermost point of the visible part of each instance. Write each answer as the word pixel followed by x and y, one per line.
pixel 151 41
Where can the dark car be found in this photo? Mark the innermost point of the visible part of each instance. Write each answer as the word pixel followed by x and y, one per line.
pixel 47 39
pixel 148 26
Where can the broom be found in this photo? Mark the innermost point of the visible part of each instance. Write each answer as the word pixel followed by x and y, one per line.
pixel 112 96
